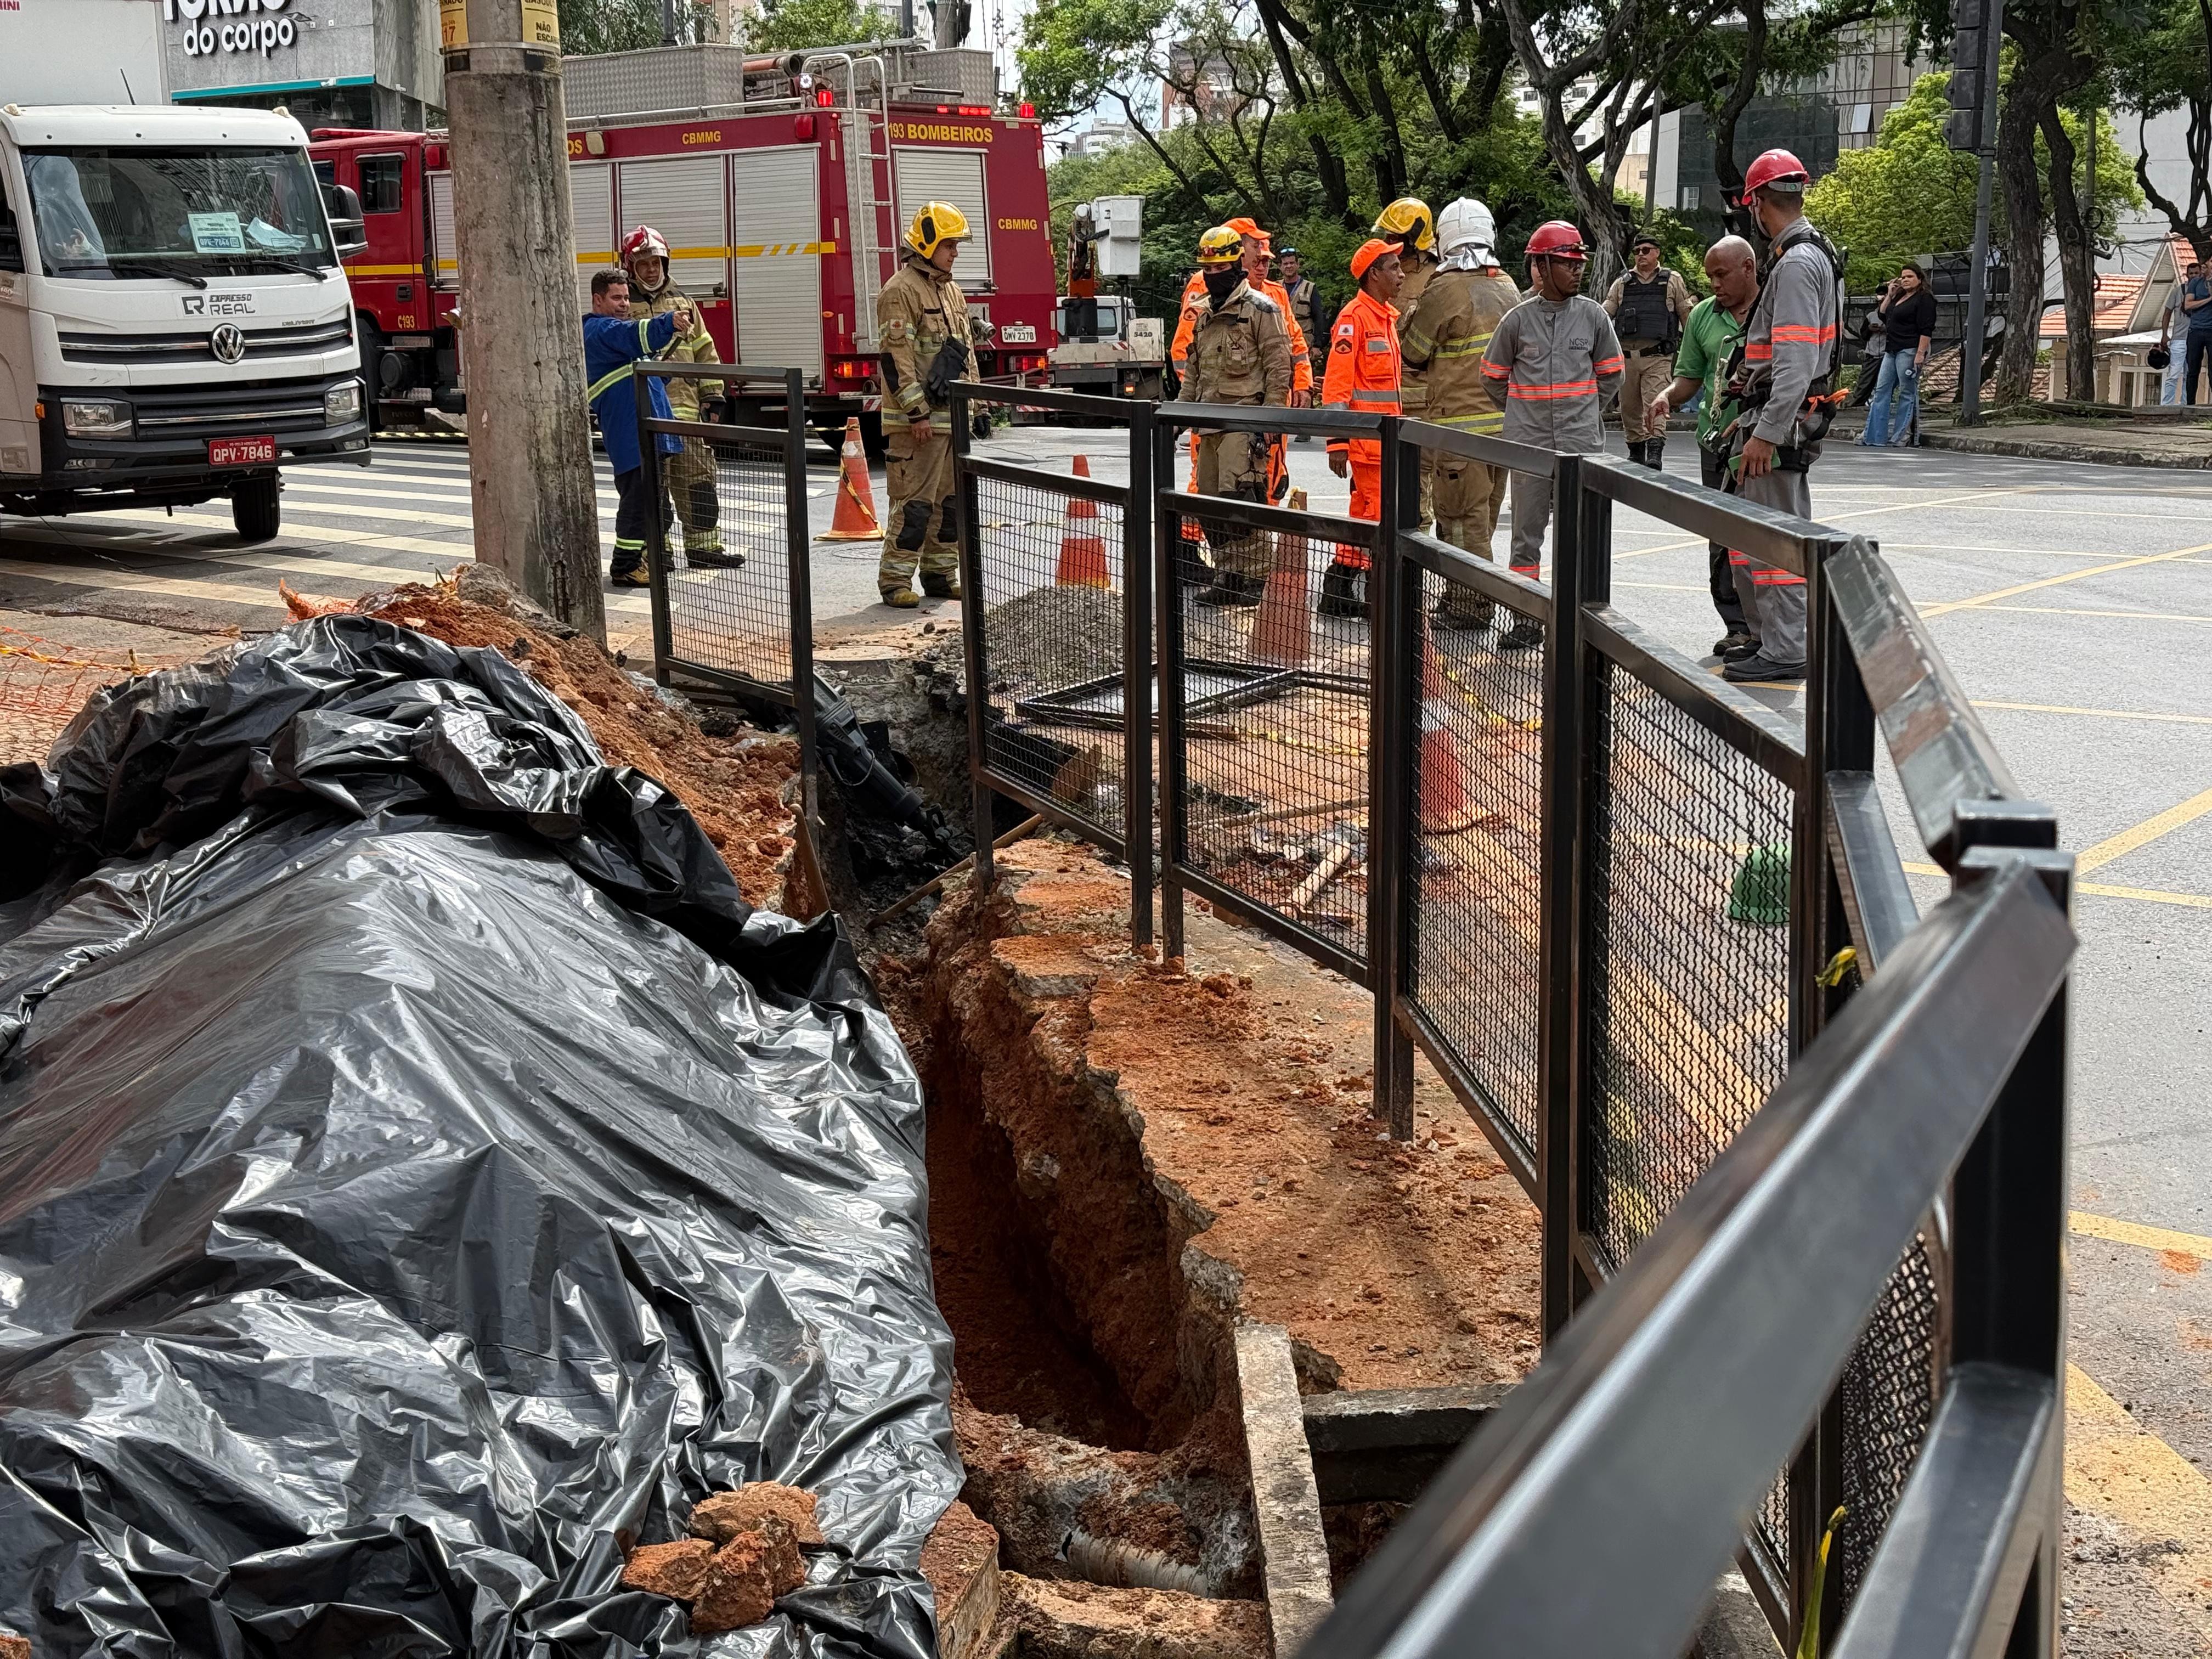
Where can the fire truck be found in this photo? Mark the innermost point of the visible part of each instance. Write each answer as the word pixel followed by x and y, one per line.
pixel 783 185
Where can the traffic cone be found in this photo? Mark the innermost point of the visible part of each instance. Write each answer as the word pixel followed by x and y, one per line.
pixel 1082 552
pixel 1443 774
pixel 1282 627
pixel 855 519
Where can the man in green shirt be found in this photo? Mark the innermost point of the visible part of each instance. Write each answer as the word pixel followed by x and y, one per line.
pixel 1709 337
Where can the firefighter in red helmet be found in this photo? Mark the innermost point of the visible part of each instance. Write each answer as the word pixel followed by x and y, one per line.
pixel 690 473
pixel 1784 380
pixel 1553 365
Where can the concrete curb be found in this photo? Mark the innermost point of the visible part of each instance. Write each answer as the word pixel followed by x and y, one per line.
pixel 1285 1497
pixel 2044 449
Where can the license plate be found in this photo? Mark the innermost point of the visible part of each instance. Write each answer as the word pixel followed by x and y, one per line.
pixel 240 452
pixel 1018 334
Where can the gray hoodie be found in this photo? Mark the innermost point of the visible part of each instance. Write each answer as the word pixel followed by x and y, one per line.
pixel 1553 366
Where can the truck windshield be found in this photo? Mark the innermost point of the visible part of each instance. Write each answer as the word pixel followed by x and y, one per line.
pixel 125 213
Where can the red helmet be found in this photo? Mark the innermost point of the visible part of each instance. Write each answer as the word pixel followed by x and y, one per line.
pixel 1776 167
pixel 644 242
pixel 1556 239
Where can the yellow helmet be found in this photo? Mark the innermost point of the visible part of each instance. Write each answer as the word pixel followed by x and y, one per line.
pixel 1219 246
pixel 1408 219
pixel 937 223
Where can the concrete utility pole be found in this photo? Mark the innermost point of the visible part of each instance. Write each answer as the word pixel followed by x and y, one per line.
pixel 530 448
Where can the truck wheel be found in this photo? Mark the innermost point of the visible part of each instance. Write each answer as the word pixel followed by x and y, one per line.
pixel 255 509
pixel 369 339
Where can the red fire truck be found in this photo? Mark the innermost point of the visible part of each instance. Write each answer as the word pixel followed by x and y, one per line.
pixel 783 186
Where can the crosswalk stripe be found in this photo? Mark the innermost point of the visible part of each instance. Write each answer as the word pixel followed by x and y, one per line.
pixel 328 534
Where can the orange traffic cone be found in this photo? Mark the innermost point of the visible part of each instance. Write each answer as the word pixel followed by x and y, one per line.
pixel 855 519
pixel 1082 551
pixel 1282 627
pixel 1443 774
pixel 1191 533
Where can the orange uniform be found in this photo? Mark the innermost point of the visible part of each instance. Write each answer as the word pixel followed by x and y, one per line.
pixel 1302 378
pixel 1363 375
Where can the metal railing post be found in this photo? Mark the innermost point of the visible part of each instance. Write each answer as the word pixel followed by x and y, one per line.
pixel 1393 597
pixel 799 544
pixel 1167 697
pixel 972 652
pixel 1137 722
pixel 656 538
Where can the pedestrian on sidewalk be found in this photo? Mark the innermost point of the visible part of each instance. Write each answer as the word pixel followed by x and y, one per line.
pixel 1648 307
pixel 1363 377
pixel 1785 386
pixel 2172 323
pixel 1709 343
pixel 2196 306
pixel 1553 366
pixel 1907 312
pixel 1444 337
pixel 613 342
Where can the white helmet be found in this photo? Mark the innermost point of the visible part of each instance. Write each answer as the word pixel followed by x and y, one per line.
pixel 1467 224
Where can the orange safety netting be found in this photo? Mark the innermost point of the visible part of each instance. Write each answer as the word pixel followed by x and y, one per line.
pixel 43 685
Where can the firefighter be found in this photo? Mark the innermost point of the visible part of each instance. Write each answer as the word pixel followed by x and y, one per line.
pixel 1256 258
pixel 1553 365
pixel 689 475
pixel 1786 385
pixel 923 319
pixel 1240 353
pixel 1408 225
pixel 1363 376
pixel 1443 338
pixel 1648 304
pixel 612 342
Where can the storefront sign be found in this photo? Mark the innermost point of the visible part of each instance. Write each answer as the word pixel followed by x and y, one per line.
pixel 231 26
pixel 541 23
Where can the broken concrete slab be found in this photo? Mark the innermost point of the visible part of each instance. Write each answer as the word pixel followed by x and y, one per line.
pixel 740 1588
pixel 1386 1445
pixel 1062 1619
pixel 724 1515
pixel 676 1571
pixel 1285 1495
pixel 961 1561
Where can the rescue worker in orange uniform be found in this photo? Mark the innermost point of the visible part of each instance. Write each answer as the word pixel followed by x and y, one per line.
pixel 1363 376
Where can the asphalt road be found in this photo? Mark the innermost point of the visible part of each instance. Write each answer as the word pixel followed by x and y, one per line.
pixel 2074 604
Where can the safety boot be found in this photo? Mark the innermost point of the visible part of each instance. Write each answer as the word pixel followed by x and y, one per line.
pixel 1340 595
pixel 939 586
pixel 901 598
pixel 1230 589
pixel 1523 635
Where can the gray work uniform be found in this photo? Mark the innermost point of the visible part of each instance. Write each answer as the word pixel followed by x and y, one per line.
pixel 1553 366
pixel 1788 342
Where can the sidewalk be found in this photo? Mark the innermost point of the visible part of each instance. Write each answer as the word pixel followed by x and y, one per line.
pixel 2166 441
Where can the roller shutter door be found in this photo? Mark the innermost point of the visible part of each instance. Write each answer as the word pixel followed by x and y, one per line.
pixel 776 237
pixel 445 250
pixel 682 197
pixel 954 176
pixel 591 197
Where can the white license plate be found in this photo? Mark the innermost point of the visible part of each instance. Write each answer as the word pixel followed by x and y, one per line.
pixel 1018 333
pixel 240 452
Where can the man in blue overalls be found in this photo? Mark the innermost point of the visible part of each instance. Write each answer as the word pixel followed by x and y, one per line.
pixel 611 344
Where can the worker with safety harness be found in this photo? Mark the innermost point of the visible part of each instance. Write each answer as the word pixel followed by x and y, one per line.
pixel 612 342
pixel 1240 353
pixel 1442 339
pixel 922 318
pixel 689 477
pixel 1649 304
pixel 1784 382
pixel 1362 378
pixel 1554 364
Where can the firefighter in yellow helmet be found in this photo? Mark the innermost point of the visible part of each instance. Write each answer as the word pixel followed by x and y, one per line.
pixel 922 318
pixel 1411 229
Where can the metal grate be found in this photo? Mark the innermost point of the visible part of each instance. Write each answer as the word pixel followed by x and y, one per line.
pixel 1051 619
pixel 1689 907
pixel 1885 1402
pixel 734 619
pixel 1275 740
pixel 1478 837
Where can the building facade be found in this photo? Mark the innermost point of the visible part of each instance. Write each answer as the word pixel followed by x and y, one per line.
pixel 331 63
pixel 82 51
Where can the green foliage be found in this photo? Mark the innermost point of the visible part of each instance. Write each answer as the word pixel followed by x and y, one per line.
pixel 1904 194
pixel 803 25
pixel 591 27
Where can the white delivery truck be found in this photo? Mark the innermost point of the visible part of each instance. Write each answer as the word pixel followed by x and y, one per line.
pixel 175 323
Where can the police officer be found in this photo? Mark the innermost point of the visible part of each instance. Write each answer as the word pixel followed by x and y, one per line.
pixel 1443 338
pixel 1362 378
pixel 1240 353
pixel 922 317
pixel 1553 365
pixel 1648 304
pixel 690 473
pixel 1785 386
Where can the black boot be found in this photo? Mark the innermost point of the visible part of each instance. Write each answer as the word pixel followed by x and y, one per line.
pixel 1524 635
pixel 1340 594
pixel 1655 453
pixel 1230 589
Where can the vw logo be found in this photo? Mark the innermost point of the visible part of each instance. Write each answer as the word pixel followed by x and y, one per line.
pixel 228 341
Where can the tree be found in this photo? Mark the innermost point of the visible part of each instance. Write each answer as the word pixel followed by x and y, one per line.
pixel 2168 66
pixel 807 25
pixel 591 27
pixel 1907 193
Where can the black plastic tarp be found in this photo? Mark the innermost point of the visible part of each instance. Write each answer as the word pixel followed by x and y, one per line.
pixel 421 1176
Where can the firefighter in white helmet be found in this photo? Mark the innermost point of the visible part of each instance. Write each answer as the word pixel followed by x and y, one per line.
pixel 923 319
pixel 689 474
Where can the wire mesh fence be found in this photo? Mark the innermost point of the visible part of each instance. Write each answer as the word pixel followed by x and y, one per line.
pixel 1051 612
pixel 1689 953
pixel 727 571
pixel 1884 1406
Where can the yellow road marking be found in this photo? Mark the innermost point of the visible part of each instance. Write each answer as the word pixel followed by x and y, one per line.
pixel 2079 610
pixel 2094 889
pixel 1857 512
pixel 2100 714
pixel 2056 581
pixel 2164 1240
pixel 2114 846
pixel 2117 1468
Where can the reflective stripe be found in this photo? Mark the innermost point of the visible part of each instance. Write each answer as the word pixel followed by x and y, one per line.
pixel 1497 371
pixel 1758 351
pixel 623 543
pixel 1610 365
pixel 1369 401
pixel 1804 333
pixel 644 342
pixel 1775 579
pixel 1562 389
pixel 1492 422
pixel 1465 348
pixel 606 382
